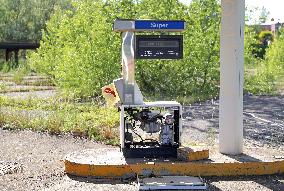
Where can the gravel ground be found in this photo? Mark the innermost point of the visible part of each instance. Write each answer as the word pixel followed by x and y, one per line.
pixel 38 158
pixel 263 121
pixel 32 94
pixel 27 91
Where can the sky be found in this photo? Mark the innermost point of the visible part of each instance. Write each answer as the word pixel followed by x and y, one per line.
pixel 275 7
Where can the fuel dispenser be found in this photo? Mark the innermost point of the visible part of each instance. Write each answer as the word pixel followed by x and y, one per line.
pixel 147 129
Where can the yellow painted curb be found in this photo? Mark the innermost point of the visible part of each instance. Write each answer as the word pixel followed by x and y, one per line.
pixel 180 168
pixel 189 154
pixel 198 155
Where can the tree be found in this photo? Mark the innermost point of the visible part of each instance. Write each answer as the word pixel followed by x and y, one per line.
pixel 198 73
pixel 275 53
pixel 202 45
pixel 264 13
pixel 23 20
pixel 79 49
pixel 82 53
pixel 251 48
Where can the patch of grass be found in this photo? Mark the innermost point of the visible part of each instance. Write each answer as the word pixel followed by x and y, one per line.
pixel 20 73
pixel 280 83
pixel 261 79
pixel 195 98
pixel 3 86
pixel 88 120
pixel 187 99
pixel 27 80
pixel 211 135
pixel 29 89
pixel 5 75
pixel 38 82
pixel 7 67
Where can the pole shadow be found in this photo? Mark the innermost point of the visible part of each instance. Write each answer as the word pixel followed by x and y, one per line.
pixel 243 158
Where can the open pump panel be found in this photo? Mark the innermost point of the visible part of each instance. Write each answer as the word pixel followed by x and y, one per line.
pixel 147 129
pixel 151 129
pixel 158 129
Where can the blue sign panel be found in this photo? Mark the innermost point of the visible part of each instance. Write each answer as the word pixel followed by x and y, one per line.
pixel 159 25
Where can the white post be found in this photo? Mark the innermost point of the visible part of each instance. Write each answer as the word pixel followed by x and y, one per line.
pixel 122 129
pixel 232 69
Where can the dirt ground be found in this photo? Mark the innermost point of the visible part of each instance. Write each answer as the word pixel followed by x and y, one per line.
pixel 38 158
pixel 263 121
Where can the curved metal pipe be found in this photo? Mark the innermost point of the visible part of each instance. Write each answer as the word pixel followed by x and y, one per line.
pixel 128 66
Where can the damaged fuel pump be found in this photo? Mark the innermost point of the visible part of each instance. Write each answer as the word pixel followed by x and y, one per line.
pixel 150 122
pixel 147 129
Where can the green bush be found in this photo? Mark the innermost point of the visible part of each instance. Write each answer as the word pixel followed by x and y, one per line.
pixel 197 74
pixel 251 47
pixel 79 50
pixel 82 53
pixel 266 36
pixel 269 70
pixel 8 66
pixel 22 71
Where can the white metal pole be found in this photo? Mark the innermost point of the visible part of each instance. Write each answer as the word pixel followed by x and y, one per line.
pixel 122 129
pixel 231 71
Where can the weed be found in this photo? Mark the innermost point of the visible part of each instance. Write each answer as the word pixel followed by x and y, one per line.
pixel 5 67
pixel 27 89
pixel 21 72
pixel 55 116
pixel 3 86
pixel 211 135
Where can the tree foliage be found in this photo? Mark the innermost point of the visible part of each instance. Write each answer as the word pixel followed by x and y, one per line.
pixel 265 36
pixel 23 20
pixel 275 55
pixel 251 49
pixel 77 49
pixel 82 53
pixel 267 72
pixel 197 74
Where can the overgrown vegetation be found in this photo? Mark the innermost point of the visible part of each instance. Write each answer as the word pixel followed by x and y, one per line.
pixel 23 20
pixel 82 53
pixel 6 67
pixel 262 77
pixel 56 116
pixel 196 76
pixel 22 71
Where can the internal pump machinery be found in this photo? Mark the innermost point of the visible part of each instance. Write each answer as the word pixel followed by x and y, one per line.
pixel 147 129
pixel 150 122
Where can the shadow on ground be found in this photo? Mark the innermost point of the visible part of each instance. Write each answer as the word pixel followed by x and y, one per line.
pixel 93 180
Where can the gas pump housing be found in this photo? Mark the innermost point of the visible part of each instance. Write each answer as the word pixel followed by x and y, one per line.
pixel 147 129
